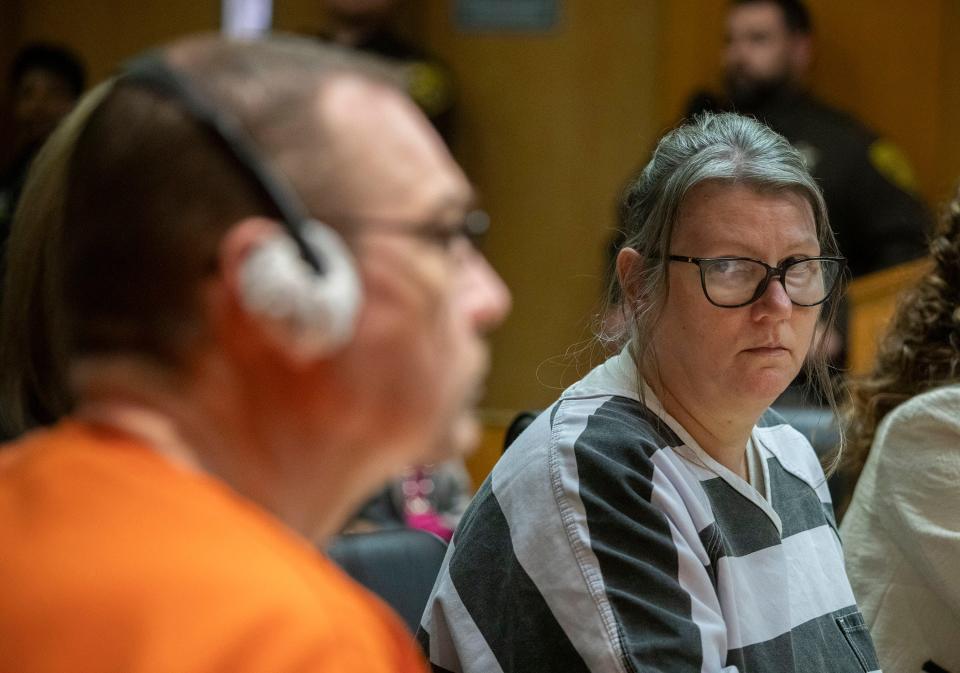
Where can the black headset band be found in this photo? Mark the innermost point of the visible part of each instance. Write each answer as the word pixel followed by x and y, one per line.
pixel 152 72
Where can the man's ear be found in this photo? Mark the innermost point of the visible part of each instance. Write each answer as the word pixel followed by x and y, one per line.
pixel 307 315
pixel 630 266
pixel 238 243
pixel 232 321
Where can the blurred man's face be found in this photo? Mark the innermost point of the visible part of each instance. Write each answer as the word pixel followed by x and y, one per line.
pixel 40 100
pixel 415 369
pixel 761 54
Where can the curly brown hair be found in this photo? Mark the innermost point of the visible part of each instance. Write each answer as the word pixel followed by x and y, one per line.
pixel 921 349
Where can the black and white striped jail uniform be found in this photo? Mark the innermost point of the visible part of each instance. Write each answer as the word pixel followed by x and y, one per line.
pixel 606 539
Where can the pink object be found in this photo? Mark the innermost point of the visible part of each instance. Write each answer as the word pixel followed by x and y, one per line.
pixel 432 523
pixel 418 511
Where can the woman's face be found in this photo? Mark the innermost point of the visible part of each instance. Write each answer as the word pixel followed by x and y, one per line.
pixel 734 361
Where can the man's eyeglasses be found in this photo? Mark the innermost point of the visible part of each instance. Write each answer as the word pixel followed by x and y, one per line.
pixel 731 282
pixel 472 228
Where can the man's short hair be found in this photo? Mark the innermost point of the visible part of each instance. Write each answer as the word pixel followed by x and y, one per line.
pixel 796 16
pixel 148 191
pixel 51 58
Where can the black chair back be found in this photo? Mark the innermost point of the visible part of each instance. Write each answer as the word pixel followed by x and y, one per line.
pixel 518 425
pixel 399 565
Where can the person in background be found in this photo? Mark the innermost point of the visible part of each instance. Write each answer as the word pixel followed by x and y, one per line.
pixel 370 26
pixel 45 82
pixel 269 305
pixel 902 528
pixel 659 516
pixel 867 182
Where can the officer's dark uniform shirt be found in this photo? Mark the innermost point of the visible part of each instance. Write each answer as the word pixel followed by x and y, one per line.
pixel 867 182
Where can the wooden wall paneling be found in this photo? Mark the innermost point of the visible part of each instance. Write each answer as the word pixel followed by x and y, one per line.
pixel 872 301
pixel 692 37
pixel 948 137
pixel 550 125
pixel 106 32
pixel 882 62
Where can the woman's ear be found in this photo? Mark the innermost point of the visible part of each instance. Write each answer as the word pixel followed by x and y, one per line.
pixel 629 268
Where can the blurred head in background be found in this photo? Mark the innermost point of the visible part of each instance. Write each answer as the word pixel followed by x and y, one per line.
pixel 354 21
pixel 45 81
pixel 768 50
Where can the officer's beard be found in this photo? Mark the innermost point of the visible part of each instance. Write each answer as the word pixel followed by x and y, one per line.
pixel 750 95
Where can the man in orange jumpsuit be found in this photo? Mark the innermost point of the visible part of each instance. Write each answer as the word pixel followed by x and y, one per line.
pixel 270 307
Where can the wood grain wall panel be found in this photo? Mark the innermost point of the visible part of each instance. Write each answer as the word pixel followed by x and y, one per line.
pixel 872 300
pixel 106 32
pixel 882 61
pixel 549 127
pixel 691 35
pixel 948 137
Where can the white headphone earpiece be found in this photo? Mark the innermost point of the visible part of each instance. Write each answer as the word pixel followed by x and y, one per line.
pixel 307 308
pixel 309 314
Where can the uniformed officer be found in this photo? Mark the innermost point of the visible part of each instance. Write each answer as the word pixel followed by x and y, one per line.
pixel 868 183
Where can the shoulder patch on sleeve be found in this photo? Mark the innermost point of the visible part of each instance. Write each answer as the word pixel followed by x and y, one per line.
pixel 429 86
pixel 892 164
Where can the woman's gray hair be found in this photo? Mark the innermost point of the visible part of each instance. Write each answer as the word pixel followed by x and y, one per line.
pixel 723 147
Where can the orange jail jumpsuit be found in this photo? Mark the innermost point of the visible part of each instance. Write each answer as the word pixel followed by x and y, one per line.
pixel 113 559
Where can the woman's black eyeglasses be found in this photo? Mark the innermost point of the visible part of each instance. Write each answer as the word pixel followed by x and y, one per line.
pixel 731 282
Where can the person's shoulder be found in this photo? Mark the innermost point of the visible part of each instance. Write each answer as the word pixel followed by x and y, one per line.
pixel 931 402
pixel 612 425
pixel 142 549
pixel 271 583
pixel 609 432
pixel 608 402
pixel 105 500
pixel 931 413
pixel 597 448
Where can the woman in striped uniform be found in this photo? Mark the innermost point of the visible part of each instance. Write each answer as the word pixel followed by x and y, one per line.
pixel 658 517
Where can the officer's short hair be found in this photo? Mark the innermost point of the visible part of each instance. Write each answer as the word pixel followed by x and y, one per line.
pixel 53 59
pixel 795 13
